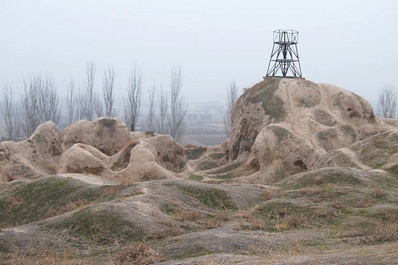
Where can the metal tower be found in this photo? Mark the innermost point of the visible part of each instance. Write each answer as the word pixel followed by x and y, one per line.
pixel 284 55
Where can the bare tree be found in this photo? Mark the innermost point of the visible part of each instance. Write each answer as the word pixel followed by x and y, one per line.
pixel 88 107
pixel 150 118
pixel 109 78
pixel 88 102
pixel 11 117
pixel 232 96
pixel 133 105
pixel 71 103
pixel 387 102
pixel 49 103
pixel 39 104
pixel 30 107
pixel 178 107
pixel 162 120
pixel 97 105
pixel 80 101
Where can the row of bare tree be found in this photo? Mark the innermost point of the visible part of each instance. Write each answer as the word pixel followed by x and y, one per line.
pixel 39 102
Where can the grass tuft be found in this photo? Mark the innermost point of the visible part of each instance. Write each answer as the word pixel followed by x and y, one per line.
pixel 212 198
pixel 195 177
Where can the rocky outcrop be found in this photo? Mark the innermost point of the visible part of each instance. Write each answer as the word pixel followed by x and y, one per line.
pixel 284 126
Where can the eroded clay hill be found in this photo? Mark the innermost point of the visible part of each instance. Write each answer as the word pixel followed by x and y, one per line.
pixel 286 126
pixel 96 193
pixel 103 147
pixel 280 127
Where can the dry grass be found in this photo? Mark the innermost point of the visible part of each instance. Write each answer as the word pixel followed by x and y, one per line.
pixel 140 254
pixel 46 257
pixel 169 232
pixel 217 220
pixel 324 214
pixel 249 221
pixel 188 215
pixel 345 203
pixel 372 235
pixel 206 220
pixel 71 206
pixel 311 191
pixel 379 193
pixel 290 222
pixel 274 194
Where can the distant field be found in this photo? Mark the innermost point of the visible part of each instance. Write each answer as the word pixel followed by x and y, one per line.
pixel 203 139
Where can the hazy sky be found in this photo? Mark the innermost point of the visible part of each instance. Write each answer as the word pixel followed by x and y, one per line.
pixel 350 43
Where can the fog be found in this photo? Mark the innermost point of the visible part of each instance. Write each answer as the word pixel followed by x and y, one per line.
pixel 350 44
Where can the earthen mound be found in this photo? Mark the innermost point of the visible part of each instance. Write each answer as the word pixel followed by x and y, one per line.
pixel 103 147
pixel 32 158
pixel 283 126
